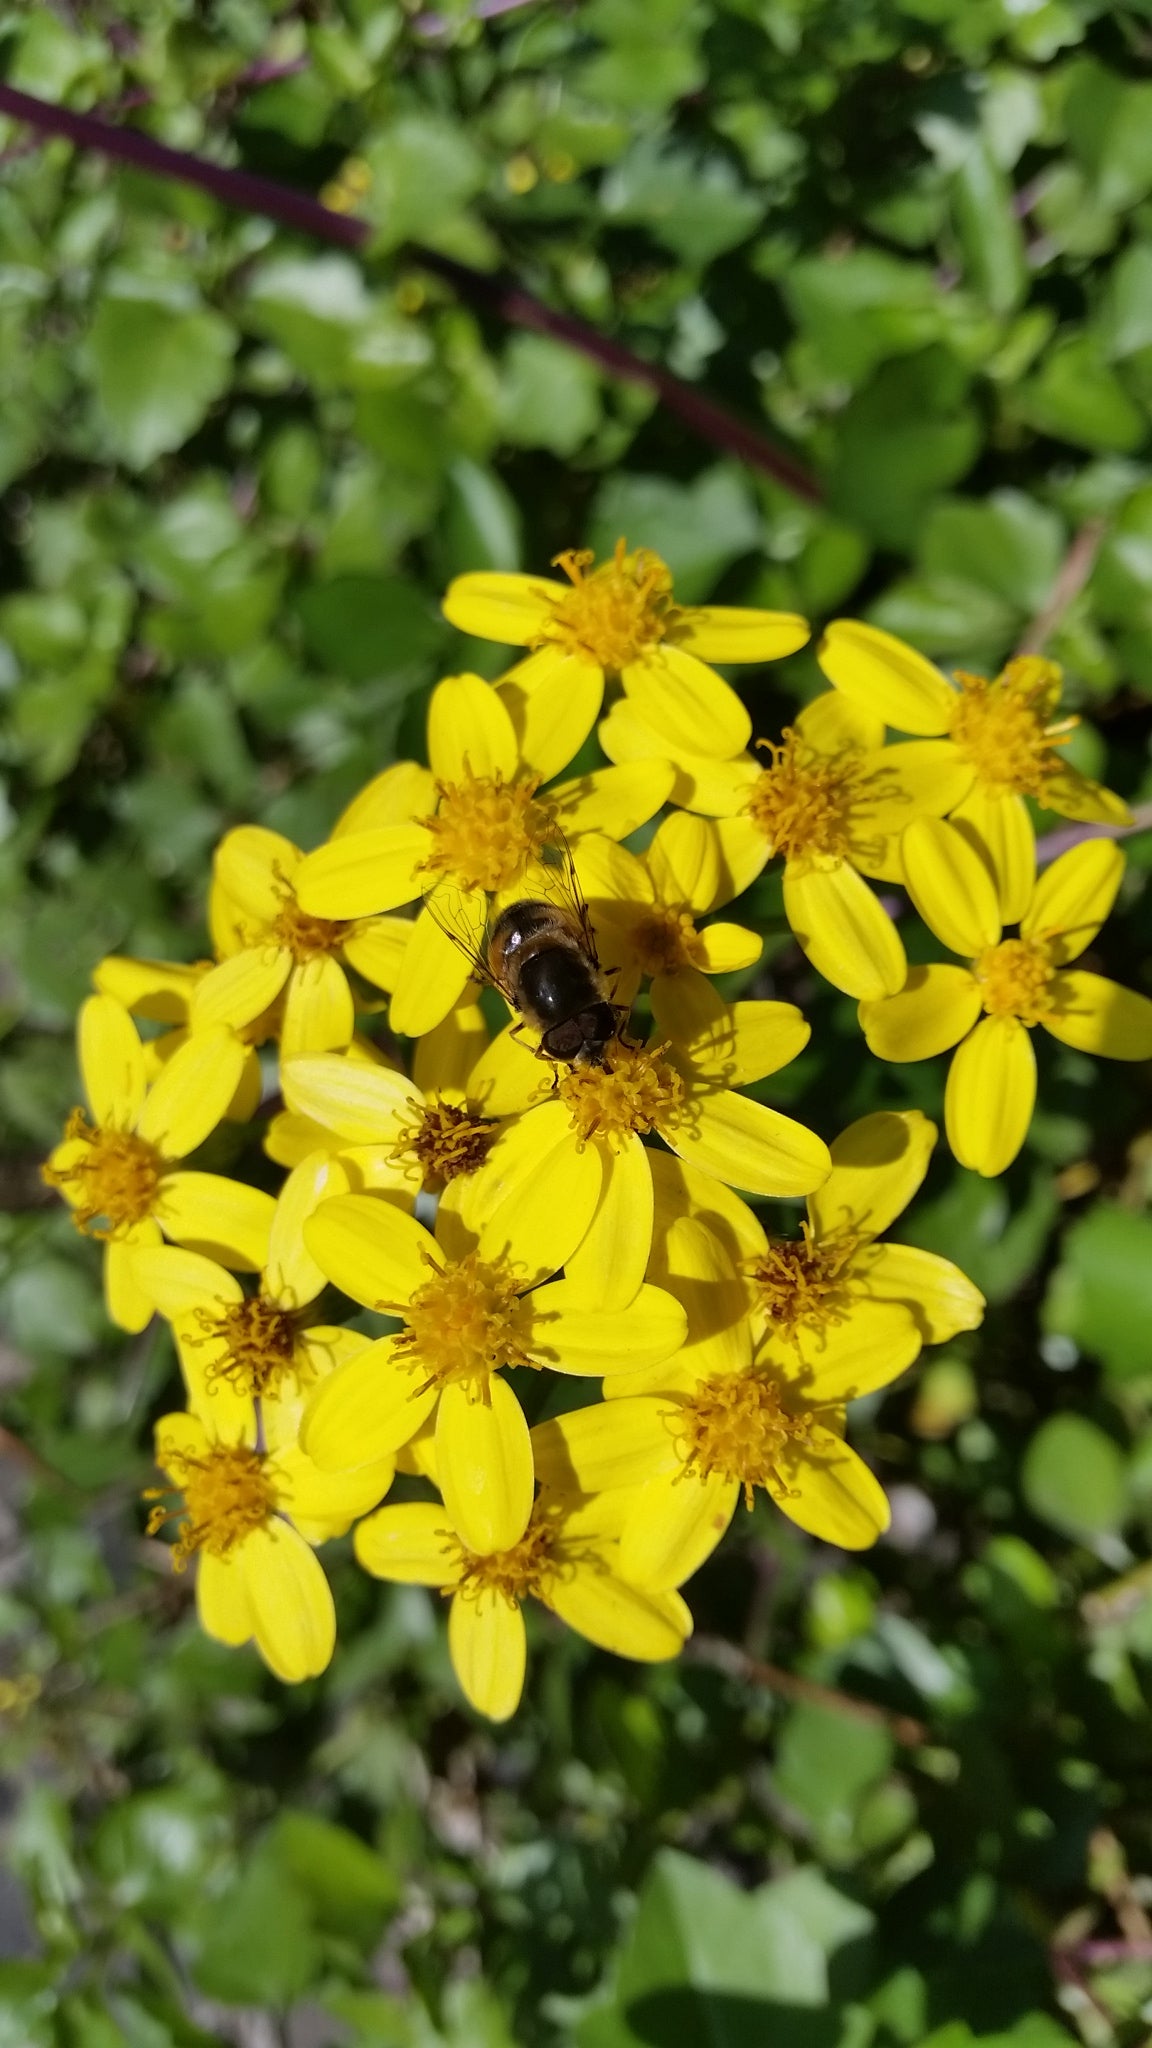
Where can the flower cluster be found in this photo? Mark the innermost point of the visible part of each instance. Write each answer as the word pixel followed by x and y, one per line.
pixel 467 1228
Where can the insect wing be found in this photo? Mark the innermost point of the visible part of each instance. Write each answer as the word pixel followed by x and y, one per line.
pixel 463 917
pixel 551 878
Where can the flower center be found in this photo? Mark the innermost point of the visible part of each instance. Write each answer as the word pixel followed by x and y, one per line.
pixel 804 802
pixel 666 941
pixel 115 1181
pixel 634 1090
pixel 735 1426
pixel 485 830
pixel 514 1573
pixel 463 1323
pixel 1015 979
pixel 446 1140
pixel 1005 728
pixel 797 1280
pixel 613 613
pixel 259 1341
pixel 304 936
pixel 226 1494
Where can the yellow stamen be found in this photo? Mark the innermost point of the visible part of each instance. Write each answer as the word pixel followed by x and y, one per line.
pixel 485 830
pixel 735 1426
pixel 1005 728
pixel 666 941
pixel 227 1493
pixel 463 1324
pixel 259 1341
pixel 1015 979
pixel 799 1280
pixel 806 802
pixel 634 1091
pixel 446 1140
pixel 304 936
pixel 612 614
pixel 514 1574
pixel 116 1179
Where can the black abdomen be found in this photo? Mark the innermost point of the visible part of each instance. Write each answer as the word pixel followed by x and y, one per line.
pixel 557 984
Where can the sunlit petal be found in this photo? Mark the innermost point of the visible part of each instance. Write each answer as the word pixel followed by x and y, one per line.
pixel 990 1094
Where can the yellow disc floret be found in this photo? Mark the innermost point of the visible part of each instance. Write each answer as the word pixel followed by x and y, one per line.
pixel 227 1493
pixel 259 1344
pixel 735 1426
pixel 485 830
pixel 463 1323
pixel 666 941
pixel 1015 979
pixel 446 1140
pixel 113 1183
pixel 304 936
pixel 612 614
pixel 515 1573
pixel 1005 730
pixel 804 803
pixel 634 1091
pixel 799 1281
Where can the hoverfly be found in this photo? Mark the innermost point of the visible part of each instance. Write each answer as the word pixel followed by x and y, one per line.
pixel 539 952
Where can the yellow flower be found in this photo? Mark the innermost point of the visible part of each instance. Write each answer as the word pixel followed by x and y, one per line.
pixel 1010 986
pixel 579 1154
pixel 831 802
pixel 474 820
pixel 161 992
pixel 469 1310
pixel 1004 735
pixel 561 1557
pixel 257 1577
pixel 620 620
pixel 120 1173
pixel 645 907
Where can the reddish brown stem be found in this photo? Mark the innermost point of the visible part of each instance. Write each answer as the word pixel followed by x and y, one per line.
pixel 792 1686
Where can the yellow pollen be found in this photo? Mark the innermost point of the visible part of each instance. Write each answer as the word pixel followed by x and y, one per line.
pixel 462 1324
pixel 226 1495
pixel 446 1140
pixel 666 941
pixel 514 1574
pixel 259 1340
pixel 735 1426
pixel 304 936
pixel 1005 730
pixel 805 802
pixel 634 1091
pixel 113 1184
pixel 1015 979
pixel 799 1280
pixel 485 830
pixel 614 613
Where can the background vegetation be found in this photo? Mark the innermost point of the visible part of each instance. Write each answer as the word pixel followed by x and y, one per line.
pixel 913 240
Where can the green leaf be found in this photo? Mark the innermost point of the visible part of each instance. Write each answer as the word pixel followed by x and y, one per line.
pixel 696 208
pixel 157 370
pixel 312 306
pixel 1109 127
pixel 1076 396
pixel 481 525
pixel 256 1941
pixel 1073 1478
pixel 990 233
pixel 424 169
pixel 1006 543
pixel 27 2003
pixel 364 627
pixel 1125 318
pixel 825 1763
pixel 350 1887
pixel 1100 1294
pixel 698 528
pixel 550 396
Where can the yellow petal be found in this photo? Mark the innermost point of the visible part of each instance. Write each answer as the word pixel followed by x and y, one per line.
pixel 494 605
pixel 1097 1015
pixel 872 1345
pixel 318 1011
pixel 607 1267
pixel 1077 796
pixel 831 1493
pixel 253 866
pixel 179 1436
pixel 721 632
pixel 469 731
pixel 723 948
pixel 364 1410
pixel 222 1600
pixel 685 862
pixel 680 1189
pixel 701 782
pixel 358 1103
pixel 1000 829
pixel 621 1443
pixel 934 1010
pixel 748 1145
pixel 489 1651
pixel 398 794
pixel 612 800
pixel 686 703
pixel 180 1282
pixel 916 779
pixel 832 722
pixel 325 1504
pixel 534 1198
pixel 129 1304
pixel 371 1250
pixel 293 1619
pixel 845 930
pixel 728 1043
pixel 705 1274
pixel 484 1463
pixel 193 1091
pixel 160 990
pixel 224 1219
pixel 510 1076
pixel 409 1544
pixel 878 1164
pixel 571 1337
pixel 676 1521
pixel 1073 898
pixel 610 877
pixel 445 1056
pixel 292 1277
pixel 241 987
pixel 363 872
pixel 886 677
pixel 553 700
pixel 377 947
pixel 942 1298
pixel 316 1354
pixel 249 1089
pixel 432 978
pixel 290 1138
pixel 649 1627
pixel 111 1062
pixel 951 886
pixel 990 1094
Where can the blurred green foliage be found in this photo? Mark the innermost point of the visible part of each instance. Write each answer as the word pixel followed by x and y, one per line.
pixel 914 239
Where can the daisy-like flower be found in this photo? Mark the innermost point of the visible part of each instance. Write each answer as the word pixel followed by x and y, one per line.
pixel 120 1171
pixel 1005 735
pixel 620 619
pixel 831 802
pixel 988 1008
pixel 645 907
pixel 474 821
pixel 561 1557
pixel 161 992
pixel 470 1308
pixel 251 1516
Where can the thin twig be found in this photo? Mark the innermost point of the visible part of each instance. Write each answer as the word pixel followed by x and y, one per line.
pixel 1053 844
pixel 20 1453
pixel 790 1685
pixel 1068 582
pixel 251 193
